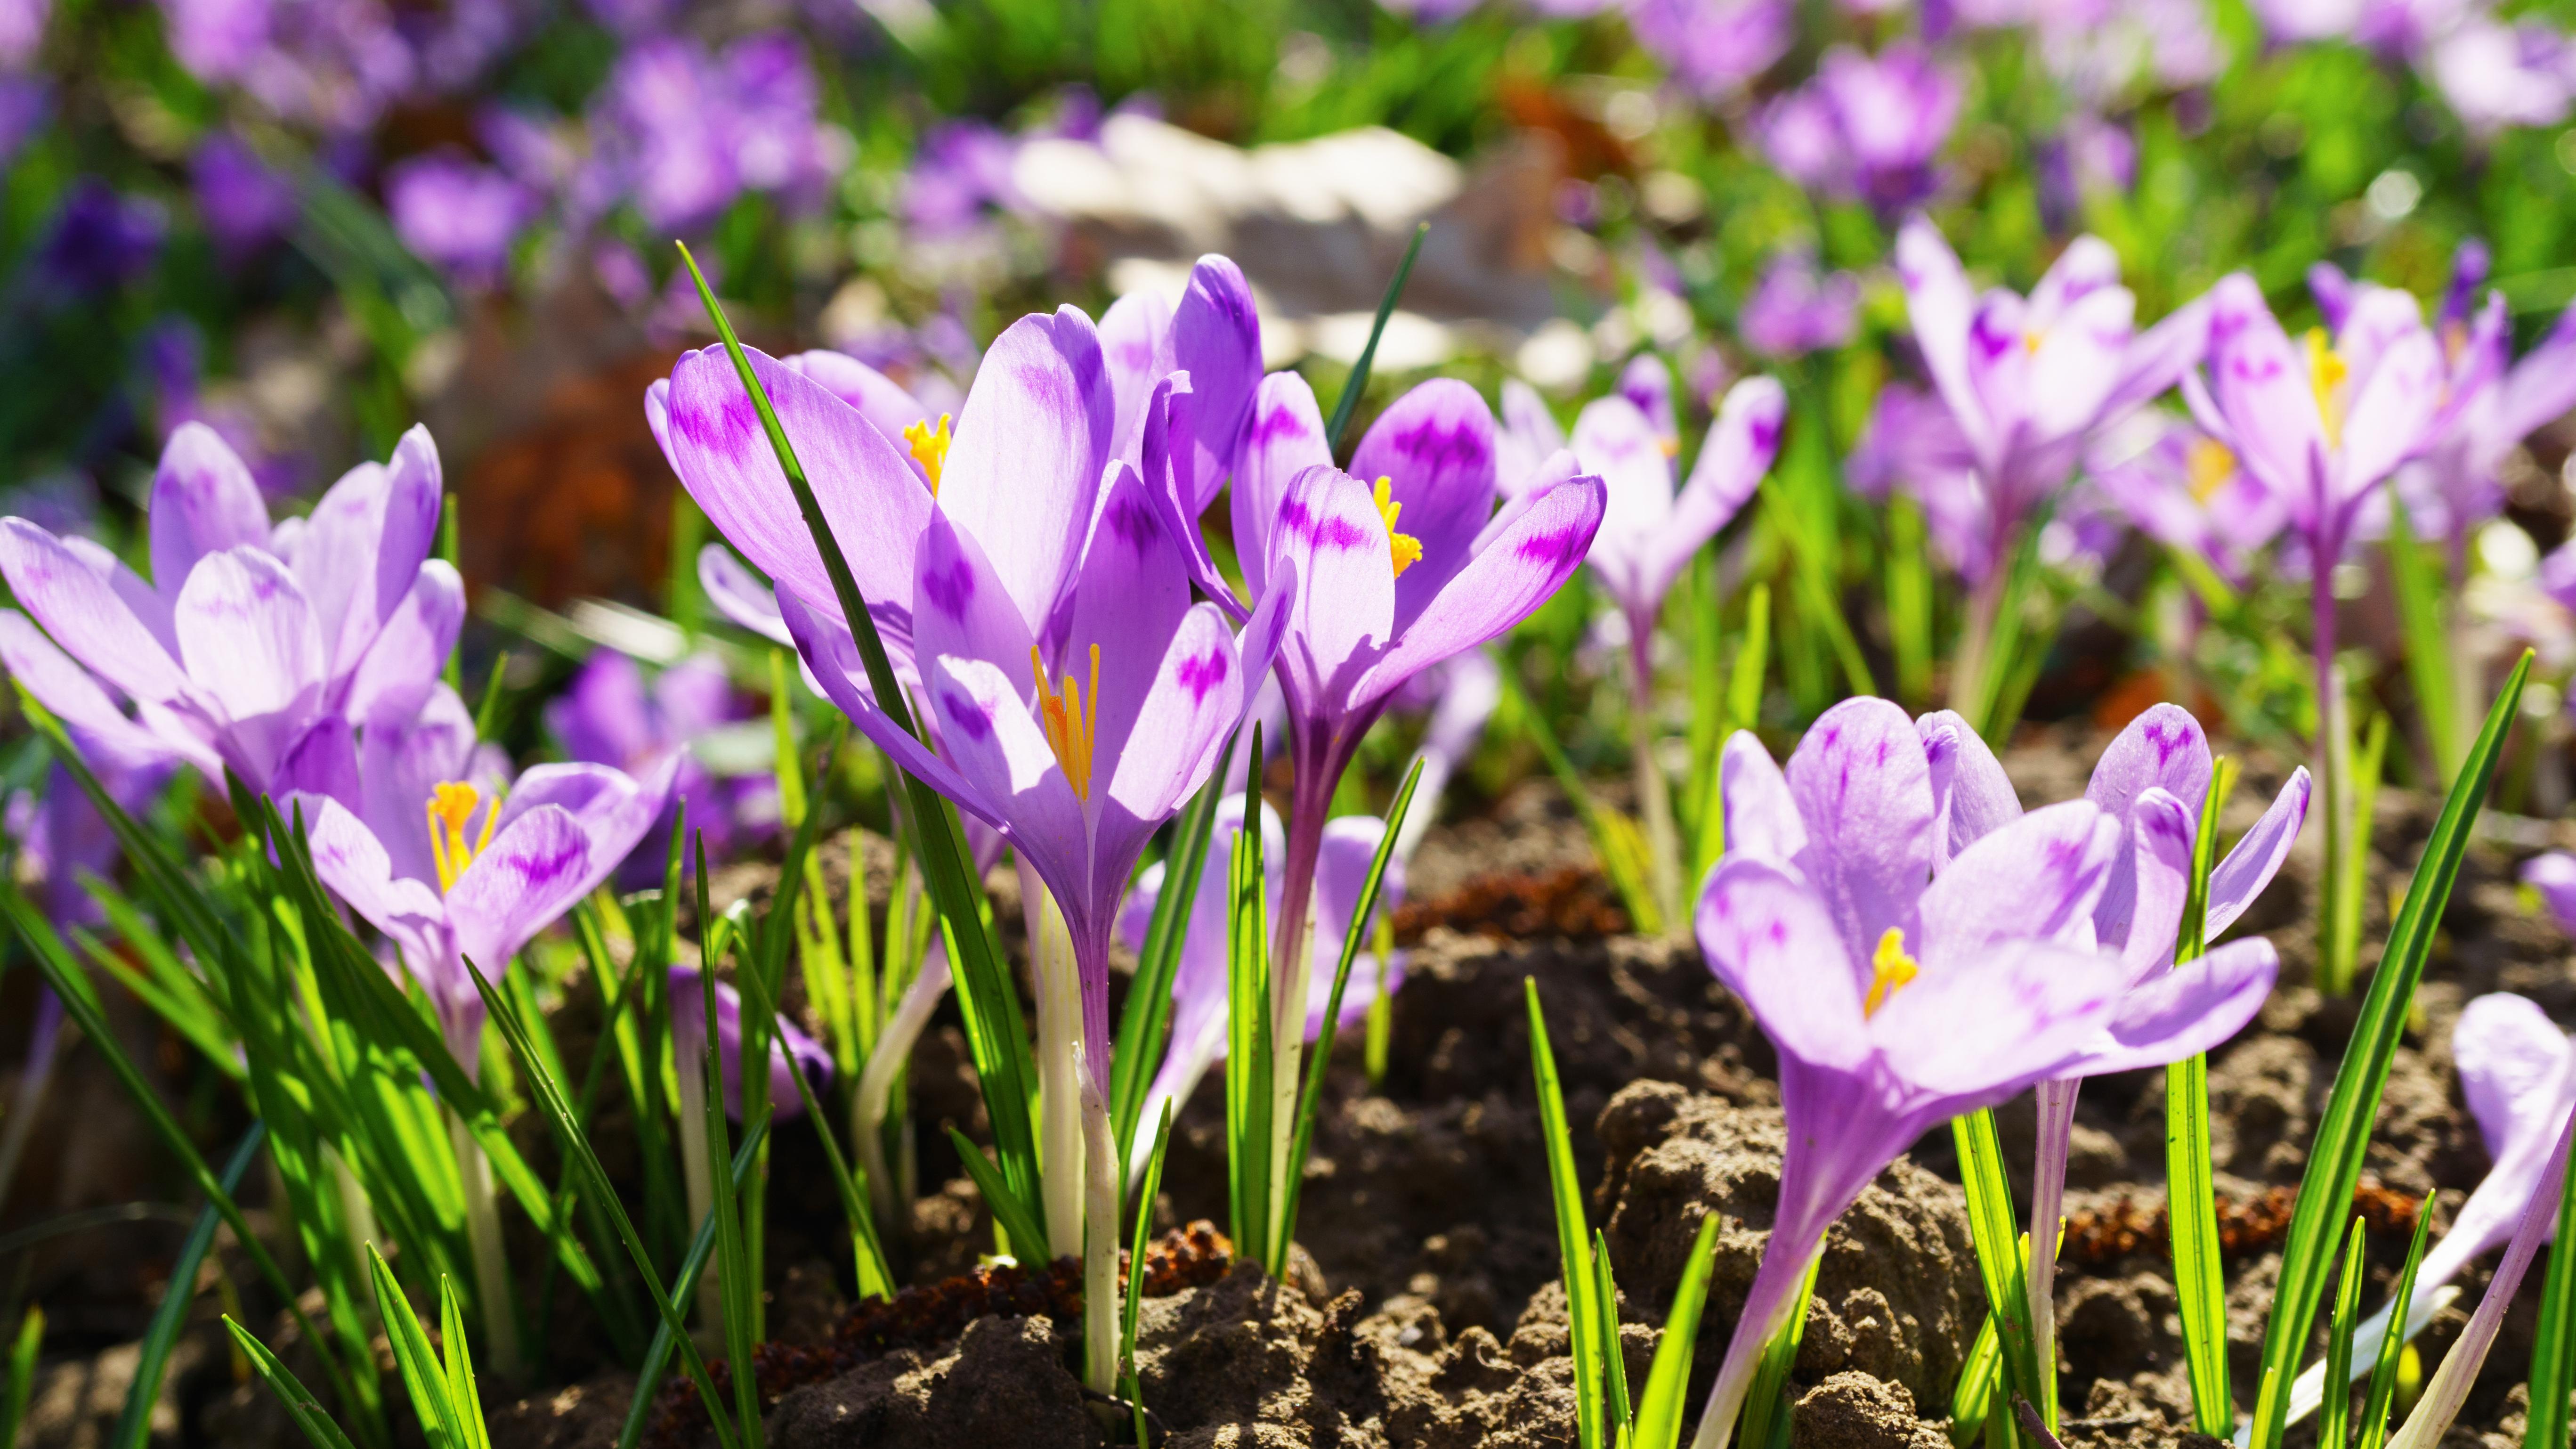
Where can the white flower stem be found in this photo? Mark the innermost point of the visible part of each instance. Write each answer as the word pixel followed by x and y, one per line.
pixel 697 1172
pixel 1100 1316
pixel 886 1061
pixel 1059 1041
pixel 491 1262
pixel 1289 983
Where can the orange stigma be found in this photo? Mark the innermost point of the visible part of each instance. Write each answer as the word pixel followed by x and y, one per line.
pixel 1403 549
pixel 1892 969
pixel 451 805
pixel 1069 717
pixel 929 443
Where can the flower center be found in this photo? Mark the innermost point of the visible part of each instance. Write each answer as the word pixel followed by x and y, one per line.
pixel 2033 340
pixel 1891 969
pixel 2209 467
pixel 1404 549
pixel 451 804
pixel 2326 373
pixel 929 443
pixel 1068 717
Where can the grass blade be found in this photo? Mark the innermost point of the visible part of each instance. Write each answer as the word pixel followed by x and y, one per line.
pixel 1766 1406
pixel 2429 653
pixel 2334 1419
pixel 291 1394
pixel 735 1278
pixel 875 1278
pixel 576 1144
pixel 1574 1248
pixel 1743 712
pixel 134 1422
pixel 1310 1095
pixel 1615 838
pixel 1605 1312
pixel 1357 382
pixel 1248 1065
pixel 1659 1408
pixel 1974 1398
pixel 1027 1239
pixel 1142 1025
pixel 2553 1348
pixel 657 1359
pixel 2343 1130
pixel 2191 1193
pixel 458 1361
pixel 995 1037
pixel 422 1374
pixel 22 1376
pixel 2383 1374
pixel 1993 1226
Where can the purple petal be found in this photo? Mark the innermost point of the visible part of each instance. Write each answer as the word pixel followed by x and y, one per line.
pixel 831 656
pixel 962 607
pixel 1614 442
pixel 363 545
pixel 2183 1012
pixel 352 862
pixel 1731 464
pixel 1283 436
pixel 611 808
pixel 1864 789
pixel 2392 409
pixel 1170 453
pixel 1330 538
pixel 251 641
pixel 1216 339
pixel 2259 387
pixel 790 1050
pixel 2163 748
pixel 1775 945
pixel 405 756
pixel 1979 1029
pixel 1940 303
pixel 2036 879
pixel 986 729
pixel 888 406
pixel 740 596
pixel 323 760
pixel 1529 433
pixel 2159 357
pixel 2157 867
pixel 408 653
pixel 1435 445
pixel 1181 724
pixel 203 501
pixel 73 694
pixel 1133 333
pixel 86 615
pixel 1508 579
pixel 2248 868
pixel 1971 796
pixel 1761 817
pixel 1025 467
pixel 522 883
pixel 1128 601
pixel 2512 1062
pixel 869 494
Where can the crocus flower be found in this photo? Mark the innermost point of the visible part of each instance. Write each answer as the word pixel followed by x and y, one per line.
pixel 2182 488
pixel 1199 1003
pixel 1714 47
pixel 1647 383
pixel 254 648
pixel 458 215
pixel 451 873
pixel 1897 998
pixel 100 241
pixel 1393 567
pixel 2518 1074
pixel 241 200
pixel 790 1051
pixel 1866 128
pixel 2500 73
pixel 610 717
pixel 1213 336
pixel 1794 310
pixel 2152 783
pixel 1528 436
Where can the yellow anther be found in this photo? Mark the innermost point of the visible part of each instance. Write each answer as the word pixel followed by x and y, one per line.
pixel 1069 718
pixel 451 805
pixel 1891 969
pixel 1403 549
pixel 2033 340
pixel 2210 465
pixel 2326 373
pixel 929 446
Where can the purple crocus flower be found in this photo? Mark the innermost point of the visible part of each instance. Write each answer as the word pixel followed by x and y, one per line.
pixel 2518 1074
pixel 1647 383
pixel 25 102
pixel 2151 784
pixel 242 202
pixel 253 649
pixel 452 871
pixel 1714 47
pixel 2182 488
pixel 1648 534
pixel 458 215
pixel 1528 436
pixel 1794 310
pixel 1866 129
pixel 790 1051
pixel 100 241
pixel 609 716
pixel 1199 1008
pixel 960 174
pixel 1896 997
pixel 2498 73
pixel 1213 336
pixel 22 31
pixel 1393 567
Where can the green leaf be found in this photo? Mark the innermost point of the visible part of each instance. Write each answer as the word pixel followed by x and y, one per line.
pixel 2000 1262
pixel 134 1423
pixel 1357 383
pixel 1605 1312
pixel 1974 1398
pixel 423 1376
pixel 2553 1346
pixel 1018 1222
pixel 986 993
pixel 1615 838
pixel 876 1279
pixel 657 1359
pixel 576 1144
pixel 1659 1408
pixel 2343 1130
pixel 1148 1013
pixel 2383 1373
pixel 736 1279
pixel 1153 1184
pixel 1766 1406
pixel 2429 649
pixel 1310 1095
pixel 2334 1420
pixel 457 1360
pixel 1573 1245
pixel 291 1395
pixel 22 1375
pixel 1248 1063
pixel 2191 1194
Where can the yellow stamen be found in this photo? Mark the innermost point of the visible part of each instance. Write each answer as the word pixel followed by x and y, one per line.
pixel 1893 970
pixel 2326 373
pixel 451 805
pixel 1403 548
pixel 929 446
pixel 1071 719
pixel 2033 340
pixel 2210 465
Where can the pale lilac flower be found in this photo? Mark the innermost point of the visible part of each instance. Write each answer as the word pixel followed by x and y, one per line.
pixel 1213 337
pixel 790 1050
pixel 1528 436
pixel 1648 535
pixel 451 870
pixel 1895 998
pixel 459 216
pixel 609 716
pixel 1912 442
pixel 2088 156
pixel 1795 310
pixel 22 31
pixel 2518 1075
pixel 241 200
pixel 253 649
pixel 2182 488
pixel 2498 73
pixel 1199 1005
pixel 682 132
pixel 1647 383
pixel 1866 128
pixel 1714 47
pixel 960 176
pixel 2300 20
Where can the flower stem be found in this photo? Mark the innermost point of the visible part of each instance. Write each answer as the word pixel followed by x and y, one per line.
pixel 886 1060
pixel 2334 781
pixel 1291 974
pixel 1059 1036
pixel 1766 1306
pixel 1100 1239
pixel 2047 1197
pixel 695 1172
pixel 1654 794
pixel 1968 684
pixel 491 1262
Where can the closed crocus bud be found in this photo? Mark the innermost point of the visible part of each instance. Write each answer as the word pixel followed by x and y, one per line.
pixel 689 1040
